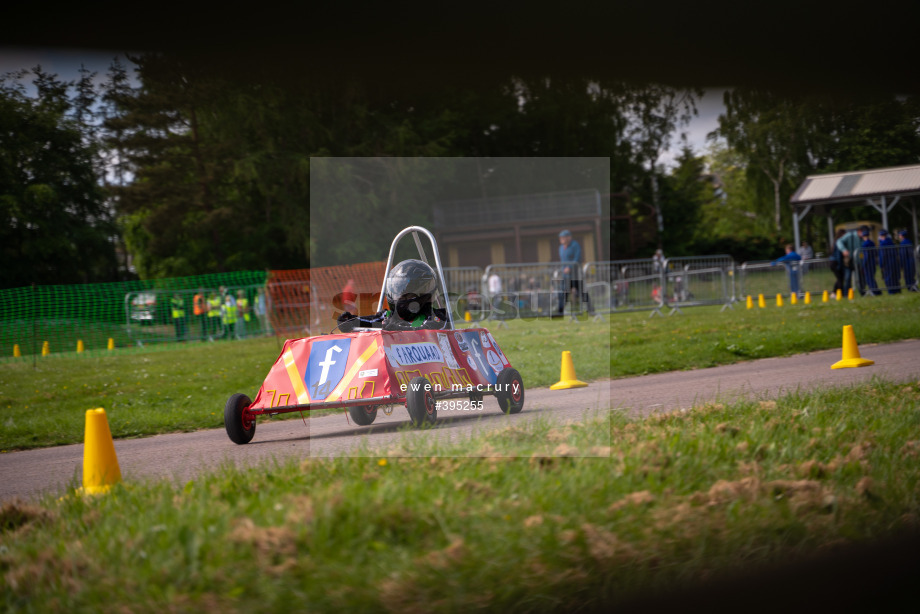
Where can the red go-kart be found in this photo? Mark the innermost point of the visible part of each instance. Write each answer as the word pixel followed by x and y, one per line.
pixel 367 368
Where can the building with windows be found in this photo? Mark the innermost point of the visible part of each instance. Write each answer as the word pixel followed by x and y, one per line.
pixel 523 228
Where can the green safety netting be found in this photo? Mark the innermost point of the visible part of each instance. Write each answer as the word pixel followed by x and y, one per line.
pixel 39 320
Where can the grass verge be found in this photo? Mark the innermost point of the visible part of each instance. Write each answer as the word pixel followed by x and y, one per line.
pixel 185 388
pixel 680 499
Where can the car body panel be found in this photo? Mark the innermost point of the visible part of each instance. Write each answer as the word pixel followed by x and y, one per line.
pixel 341 369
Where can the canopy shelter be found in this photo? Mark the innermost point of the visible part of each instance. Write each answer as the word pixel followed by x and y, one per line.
pixel 881 188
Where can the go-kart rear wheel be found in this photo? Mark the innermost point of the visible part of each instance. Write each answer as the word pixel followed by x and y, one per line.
pixel 363 415
pixel 420 402
pixel 510 391
pixel 240 425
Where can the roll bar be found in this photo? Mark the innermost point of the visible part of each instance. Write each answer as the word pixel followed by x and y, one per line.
pixel 415 230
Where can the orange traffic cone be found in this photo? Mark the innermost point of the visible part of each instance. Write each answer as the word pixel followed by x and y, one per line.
pixel 851 357
pixel 100 465
pixel 567 379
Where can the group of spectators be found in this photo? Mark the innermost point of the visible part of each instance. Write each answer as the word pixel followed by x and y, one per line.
pixel 856 252
pixel 893 259
pixel 221 314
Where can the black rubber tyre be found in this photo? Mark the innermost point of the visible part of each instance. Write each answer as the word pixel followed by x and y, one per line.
pixel 420 402
pixel 363 415
pixel 510 393
pixel 240 426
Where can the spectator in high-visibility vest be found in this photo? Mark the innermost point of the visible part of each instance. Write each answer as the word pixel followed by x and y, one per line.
pixel 228 316
pixel 178 315
pixel 213 315
pixel 243 313
pixel 200 307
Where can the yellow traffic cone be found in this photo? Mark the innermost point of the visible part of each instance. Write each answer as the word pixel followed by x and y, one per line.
pixel 467 317
pixel 16 352
pixel 100 465
pixel 79 346
pixel 760 301
pixel 567 379
pixel 793 299
pixel 850 294
pixel 111 345
pixel 825 297
pixel 46 348
pixel 808 298
pixel 839 294
pixel 779 300
pixel 851 356
pixel 750 302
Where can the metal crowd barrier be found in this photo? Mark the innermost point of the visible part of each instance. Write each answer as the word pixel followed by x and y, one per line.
pixel 762 277
pixel 529 290
pixel 464 287
pixel 647 284
pixel 625 285
pixel 722 262
pixel 460 280
pixel 692 287
pixel 533 289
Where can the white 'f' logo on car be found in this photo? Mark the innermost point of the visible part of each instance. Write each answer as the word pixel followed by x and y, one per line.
pixel 326 363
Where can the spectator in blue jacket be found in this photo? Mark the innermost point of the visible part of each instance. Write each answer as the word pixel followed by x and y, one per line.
pixel 888 255
pixel 791 261
pixel 869 262
pixel 908 264
pixel 569 254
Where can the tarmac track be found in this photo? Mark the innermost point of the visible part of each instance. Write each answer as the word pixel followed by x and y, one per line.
pixel 28 474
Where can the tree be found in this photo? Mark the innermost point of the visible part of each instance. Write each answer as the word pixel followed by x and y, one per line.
pixel 771 132
pixel 684 193
pixel 733 209
pixel 784 138
pixel 656 112
pixel 220 170
pixel 54 226
pixel 870 131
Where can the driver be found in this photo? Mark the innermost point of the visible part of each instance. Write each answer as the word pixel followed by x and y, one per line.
pixel 410 287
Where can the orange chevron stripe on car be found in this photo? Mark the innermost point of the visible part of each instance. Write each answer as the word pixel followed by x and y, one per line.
pixel 296 380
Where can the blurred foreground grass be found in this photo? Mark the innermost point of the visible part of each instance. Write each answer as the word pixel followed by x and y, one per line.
pixel 527 526
pixel 185 388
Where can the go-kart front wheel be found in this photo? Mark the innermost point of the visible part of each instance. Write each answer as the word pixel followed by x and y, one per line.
pixel 420 402
pixel 363 415
pixel 240 425
pixel 510 391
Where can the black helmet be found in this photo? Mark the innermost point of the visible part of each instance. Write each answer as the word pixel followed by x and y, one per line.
pixel 410 285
